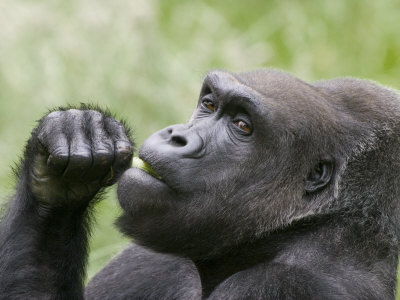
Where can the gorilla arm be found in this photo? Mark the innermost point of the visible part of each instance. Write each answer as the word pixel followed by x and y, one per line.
pixel 70 157
pixel 141 273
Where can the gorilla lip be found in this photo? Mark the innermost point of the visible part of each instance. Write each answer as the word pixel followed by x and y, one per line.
pixel 142 165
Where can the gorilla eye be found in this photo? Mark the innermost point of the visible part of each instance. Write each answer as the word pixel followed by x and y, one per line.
pixel 208 104
pixel 242 125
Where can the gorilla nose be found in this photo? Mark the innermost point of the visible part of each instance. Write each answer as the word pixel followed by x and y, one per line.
pixel 177 138
pixel 181 139
pixel 184 139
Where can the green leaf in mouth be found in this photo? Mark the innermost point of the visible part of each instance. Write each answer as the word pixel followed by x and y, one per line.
pixel 141 164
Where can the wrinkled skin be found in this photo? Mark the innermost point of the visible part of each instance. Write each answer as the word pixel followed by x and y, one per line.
pixel 72 165
pixel 274 189
pixel 192 195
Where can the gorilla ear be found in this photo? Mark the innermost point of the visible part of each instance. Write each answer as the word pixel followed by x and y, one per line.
pixel 319 176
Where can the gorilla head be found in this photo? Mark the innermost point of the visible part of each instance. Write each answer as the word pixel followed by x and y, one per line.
pixel 261 152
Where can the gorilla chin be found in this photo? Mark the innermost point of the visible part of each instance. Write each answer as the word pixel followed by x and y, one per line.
pixel 149 192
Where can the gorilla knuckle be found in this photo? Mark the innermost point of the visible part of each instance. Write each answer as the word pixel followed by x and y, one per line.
pixel 58 161
pixel 54 115
pixel 80 158
pixel 103 157
pixel 60 153
pixel 74 112
pixel 123 148
pixel 95 114
pixel 116 127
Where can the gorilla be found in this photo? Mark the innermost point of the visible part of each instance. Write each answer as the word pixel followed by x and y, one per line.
pixel 274 189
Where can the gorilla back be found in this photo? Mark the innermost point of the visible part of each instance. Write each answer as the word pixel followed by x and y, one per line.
pixel 274 189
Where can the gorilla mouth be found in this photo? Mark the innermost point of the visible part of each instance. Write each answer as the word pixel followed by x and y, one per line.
pixel 141 164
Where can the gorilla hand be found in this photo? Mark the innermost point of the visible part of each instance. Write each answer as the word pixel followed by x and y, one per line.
pixel 73 153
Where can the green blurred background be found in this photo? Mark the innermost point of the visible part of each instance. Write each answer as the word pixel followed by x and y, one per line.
pixel 145 60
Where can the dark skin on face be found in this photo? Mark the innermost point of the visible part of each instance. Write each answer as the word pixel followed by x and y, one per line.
pixel 219 132
pixel 274 189
pixel 231 141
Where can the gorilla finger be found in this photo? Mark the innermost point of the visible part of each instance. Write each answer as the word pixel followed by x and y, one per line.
pixel 102 161
pixel 80 158
pixel 49 133
pixel 122 162
pixel 78 164
pixel 123 156
pixel 117 131
pixel 102 149
pixel 123 147
pixel 58 150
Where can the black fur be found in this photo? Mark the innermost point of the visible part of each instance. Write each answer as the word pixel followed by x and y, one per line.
pixel 275 189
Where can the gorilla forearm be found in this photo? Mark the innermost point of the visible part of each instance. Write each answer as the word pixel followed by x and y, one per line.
pixel 140 273
pixel 70 157
pixel 34 238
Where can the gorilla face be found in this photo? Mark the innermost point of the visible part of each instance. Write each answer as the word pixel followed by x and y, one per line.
pixel 244 164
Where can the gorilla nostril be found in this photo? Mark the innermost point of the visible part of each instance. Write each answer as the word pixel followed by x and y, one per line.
pixel 178 140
